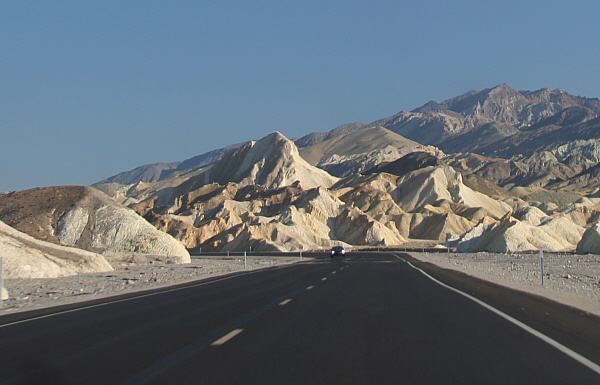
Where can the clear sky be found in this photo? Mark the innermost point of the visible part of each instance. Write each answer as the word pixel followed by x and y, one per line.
pixel 92 88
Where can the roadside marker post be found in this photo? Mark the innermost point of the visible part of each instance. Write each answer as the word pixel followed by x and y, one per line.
pixel 542 265
pixel 1 283
pixel 245 261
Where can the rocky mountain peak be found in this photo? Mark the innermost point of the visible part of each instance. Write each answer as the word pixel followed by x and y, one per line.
pixel 271 162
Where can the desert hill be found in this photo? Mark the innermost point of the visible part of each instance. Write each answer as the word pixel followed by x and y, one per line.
pixel 494 170
pixel 232 205
pixel 359 141
pixel 264 196
pixel 85 218
pixel 27 257
pixel 505 151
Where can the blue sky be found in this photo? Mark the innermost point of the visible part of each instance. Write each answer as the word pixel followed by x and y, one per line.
pixel 92 88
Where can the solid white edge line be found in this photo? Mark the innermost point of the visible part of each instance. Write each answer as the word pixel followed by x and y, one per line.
pixel 576 356
pixel 134 297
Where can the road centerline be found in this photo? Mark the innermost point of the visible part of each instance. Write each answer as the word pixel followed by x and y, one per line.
pixel 227 337
pixel 231 330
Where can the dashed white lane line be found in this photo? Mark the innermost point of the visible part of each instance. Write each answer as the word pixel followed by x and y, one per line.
pixel 310 287
pixel 324 279
pixel 227 337
pixel 285 302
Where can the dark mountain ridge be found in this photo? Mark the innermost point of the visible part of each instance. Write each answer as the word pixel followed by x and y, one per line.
pixel 497 122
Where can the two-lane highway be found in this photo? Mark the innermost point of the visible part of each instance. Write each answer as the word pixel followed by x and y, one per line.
pixel 365 319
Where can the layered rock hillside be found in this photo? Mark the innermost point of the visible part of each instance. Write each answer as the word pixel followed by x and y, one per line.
pixel 505 152
pixel 85 218
pixel 249 199
pixel 264 196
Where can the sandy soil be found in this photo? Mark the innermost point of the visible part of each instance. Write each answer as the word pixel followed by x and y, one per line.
pixel 570 279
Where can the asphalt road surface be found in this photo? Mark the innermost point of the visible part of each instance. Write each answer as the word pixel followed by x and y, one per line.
pixel 364 319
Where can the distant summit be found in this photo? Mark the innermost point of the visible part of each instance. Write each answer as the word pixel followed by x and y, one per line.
pixel 500 111
pixel 159 171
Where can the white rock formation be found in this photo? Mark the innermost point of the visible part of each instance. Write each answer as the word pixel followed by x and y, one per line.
pixel 590 242
pixel 531 215
pixel 431 184
pixel 88 219
pixel 271 162
pixel 512 235
pixel 27 257
pixel 98 224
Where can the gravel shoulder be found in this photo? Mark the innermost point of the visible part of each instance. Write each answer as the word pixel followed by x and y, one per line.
pixel 569 279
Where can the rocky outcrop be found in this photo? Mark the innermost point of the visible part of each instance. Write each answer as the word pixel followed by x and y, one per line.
pixel 512 235
pixel 432 184
pixel 237 217
pixel 27 257
pixel 427 201
pixel 590 242
pixel 271 162
pixel 85 218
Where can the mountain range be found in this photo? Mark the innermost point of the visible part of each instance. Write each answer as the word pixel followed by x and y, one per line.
pixel 509 137
pixel 495 170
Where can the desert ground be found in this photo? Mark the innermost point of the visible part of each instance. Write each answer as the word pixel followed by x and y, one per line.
pixel 570 279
